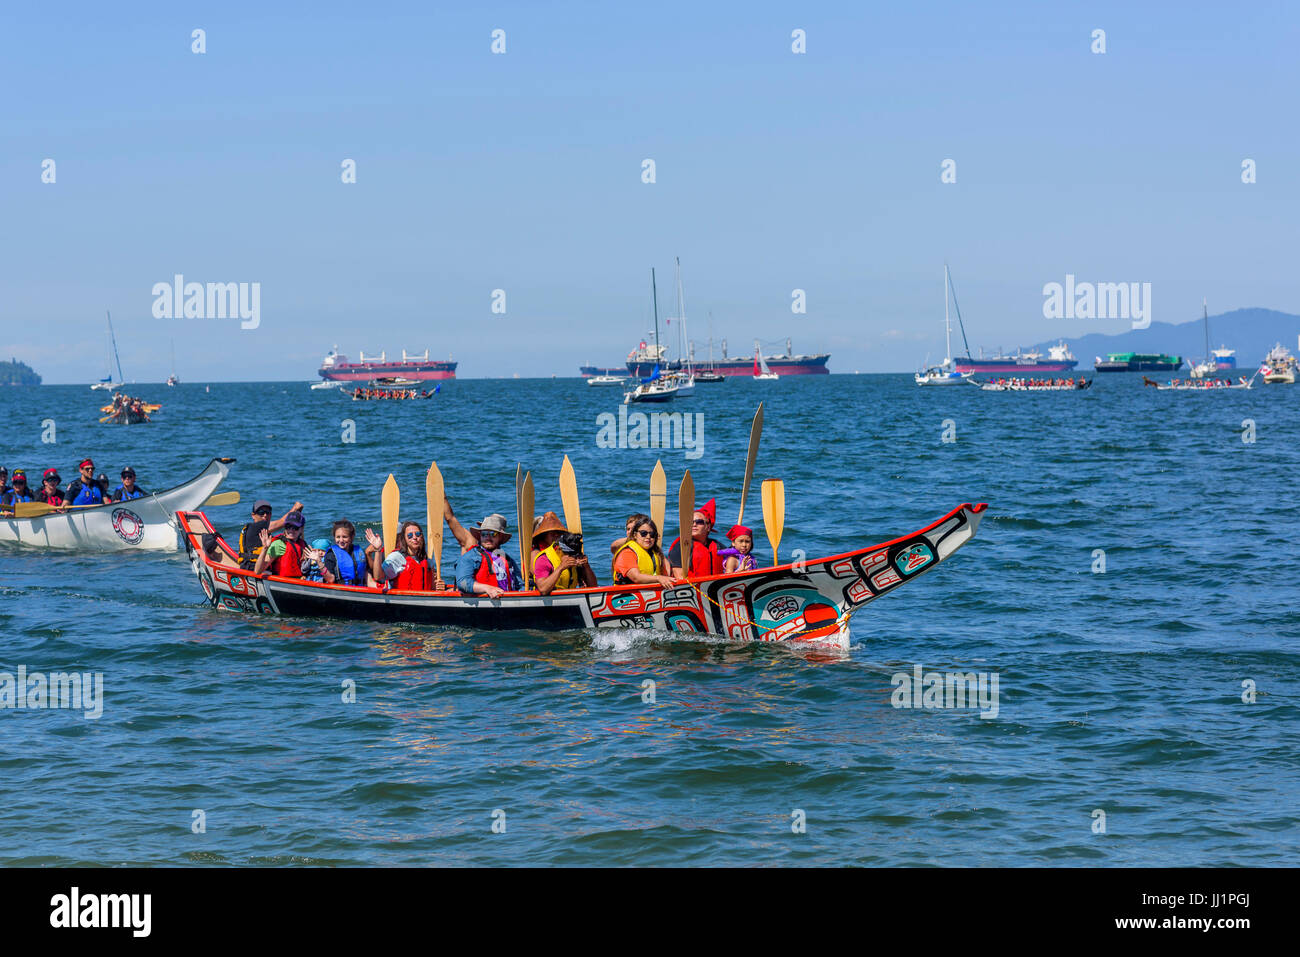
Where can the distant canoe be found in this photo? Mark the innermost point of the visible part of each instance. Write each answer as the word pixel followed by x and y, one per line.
pixel 148 522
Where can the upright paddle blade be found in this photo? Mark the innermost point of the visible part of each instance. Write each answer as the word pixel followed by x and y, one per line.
pixel 526 528
pixel 389 504
pixel 433 497
pixel 685 512
pixel 773 512
pixel 569 497
pixel 658 497
pixel 755 432
pixel 221 498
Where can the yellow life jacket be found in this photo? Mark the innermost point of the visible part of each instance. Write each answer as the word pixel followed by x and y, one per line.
pixel 568 578
pixel 646 562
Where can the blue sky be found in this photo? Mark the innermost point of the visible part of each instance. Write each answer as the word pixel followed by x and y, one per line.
pixel 522 172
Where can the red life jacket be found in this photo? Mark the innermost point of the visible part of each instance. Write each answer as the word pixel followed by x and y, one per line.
pixel 487 576
pixel 289 564
pixel 415 575
pixel 705 559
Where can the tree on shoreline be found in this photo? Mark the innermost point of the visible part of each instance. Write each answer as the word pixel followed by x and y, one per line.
pixel 14 372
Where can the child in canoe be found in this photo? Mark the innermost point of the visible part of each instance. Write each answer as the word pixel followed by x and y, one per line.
pixel 740 556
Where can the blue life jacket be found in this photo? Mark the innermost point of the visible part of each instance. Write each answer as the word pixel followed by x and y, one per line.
pixel 126 496
pixel 88 494
pixel 12 496
pixel 352 568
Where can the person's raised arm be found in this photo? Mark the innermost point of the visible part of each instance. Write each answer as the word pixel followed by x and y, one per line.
pixel 264 556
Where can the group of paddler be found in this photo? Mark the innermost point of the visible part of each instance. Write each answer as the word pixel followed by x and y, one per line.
pixel 552 557
pixel 360 393
pixel 128 410
pixel 22 501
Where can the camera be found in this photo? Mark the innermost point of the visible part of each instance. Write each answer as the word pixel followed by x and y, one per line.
pixel 570 543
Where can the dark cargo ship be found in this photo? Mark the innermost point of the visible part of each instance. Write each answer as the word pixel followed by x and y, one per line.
pixel 641 362
pixel 1138 362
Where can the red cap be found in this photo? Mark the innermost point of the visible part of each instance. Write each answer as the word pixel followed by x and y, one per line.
pixel 710 510
pixel 738 530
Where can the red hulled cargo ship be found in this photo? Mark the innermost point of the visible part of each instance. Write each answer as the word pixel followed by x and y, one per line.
pixel 338 367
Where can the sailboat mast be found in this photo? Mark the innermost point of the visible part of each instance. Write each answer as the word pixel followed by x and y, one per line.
pixel 957 306
pixel 683 360
pixel 654 292
pixel 113 341
pixel 947 323
pixel 1205 311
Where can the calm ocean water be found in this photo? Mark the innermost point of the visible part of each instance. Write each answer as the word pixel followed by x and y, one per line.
pixel 1120 692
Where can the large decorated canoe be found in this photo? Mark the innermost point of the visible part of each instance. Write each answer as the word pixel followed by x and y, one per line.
pixel 806 602
pixel 147 522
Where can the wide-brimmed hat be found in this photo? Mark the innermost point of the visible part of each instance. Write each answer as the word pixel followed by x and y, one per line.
pixel 492 523
pixel 550 523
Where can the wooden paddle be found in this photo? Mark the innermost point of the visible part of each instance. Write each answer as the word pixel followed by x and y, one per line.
pixel 658 496
pixel 569 498
pixel 37 509
pixel 685 513
pixel 755 432
pixel 434 497
pixel 773 512
pixel 221 498
pixel 526 509
pixel 389 502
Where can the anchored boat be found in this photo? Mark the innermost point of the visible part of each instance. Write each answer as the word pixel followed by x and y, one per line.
pixel 805 603
pixel 146 522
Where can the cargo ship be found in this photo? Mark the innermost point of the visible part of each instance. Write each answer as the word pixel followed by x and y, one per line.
pixel 641 362
pixel 588 372
pixel 337 367
pixel 1138 362
pixel 1059 359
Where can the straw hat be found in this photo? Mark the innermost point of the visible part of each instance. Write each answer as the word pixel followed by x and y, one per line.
pixel 550 523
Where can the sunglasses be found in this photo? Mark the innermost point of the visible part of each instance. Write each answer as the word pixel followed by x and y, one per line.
pixel 487 534
pixel 260 511
pixel 415 535
pixel 700 521
pixel 647 534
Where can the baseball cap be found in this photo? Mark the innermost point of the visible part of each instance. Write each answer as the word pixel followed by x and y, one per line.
pixel 294 520
pixel 128 471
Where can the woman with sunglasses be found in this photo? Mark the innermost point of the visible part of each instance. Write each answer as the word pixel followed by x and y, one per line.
pixel 407 567
pixel 487 569
pixel 640 561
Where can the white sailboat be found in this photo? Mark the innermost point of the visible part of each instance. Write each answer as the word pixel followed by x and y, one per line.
pixel 173 379
pixel 684 377
pixel 657 388
pixel 1209 366
pixel 945 373
pixel 107 382
pixel 761 371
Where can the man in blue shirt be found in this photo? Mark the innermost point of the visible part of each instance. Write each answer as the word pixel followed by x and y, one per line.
pixel 486 569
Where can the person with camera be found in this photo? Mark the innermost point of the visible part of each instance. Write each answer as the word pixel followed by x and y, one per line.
pixel 558 560
pixel 486 569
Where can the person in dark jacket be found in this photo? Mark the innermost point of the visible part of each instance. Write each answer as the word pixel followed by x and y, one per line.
pixel 84 490
pixel 18 492
pixel 49 492
pixel 250 536
pixel 128 489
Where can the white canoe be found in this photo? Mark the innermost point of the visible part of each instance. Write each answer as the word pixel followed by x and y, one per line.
pixel 148 522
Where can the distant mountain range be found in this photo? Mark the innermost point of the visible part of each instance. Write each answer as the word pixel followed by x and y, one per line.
pixel 1252 332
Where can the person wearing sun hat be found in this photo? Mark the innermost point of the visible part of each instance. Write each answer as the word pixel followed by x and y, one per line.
pixel 486 569
pixel 704 549
pixel 555 563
